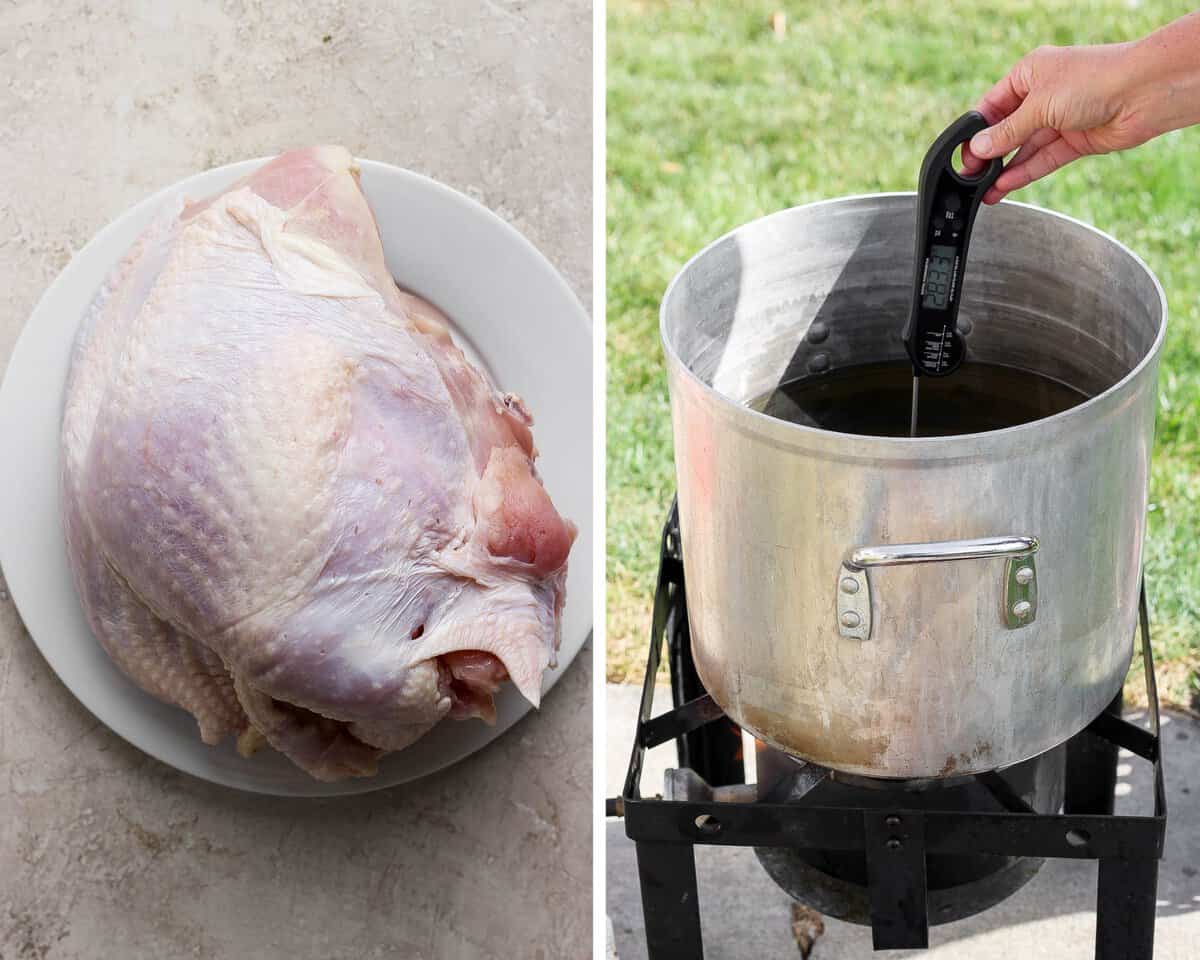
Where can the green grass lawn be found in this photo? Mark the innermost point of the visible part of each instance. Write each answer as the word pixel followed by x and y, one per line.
pixel 714 118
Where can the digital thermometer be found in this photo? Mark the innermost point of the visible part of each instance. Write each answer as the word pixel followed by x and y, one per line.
pixel 946 206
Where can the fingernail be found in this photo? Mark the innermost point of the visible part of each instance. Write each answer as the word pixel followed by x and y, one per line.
pixel 981 143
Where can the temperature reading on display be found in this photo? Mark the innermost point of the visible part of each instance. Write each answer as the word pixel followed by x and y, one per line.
pixel 938 276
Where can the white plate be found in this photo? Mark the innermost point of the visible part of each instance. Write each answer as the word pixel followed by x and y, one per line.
pixel 520 318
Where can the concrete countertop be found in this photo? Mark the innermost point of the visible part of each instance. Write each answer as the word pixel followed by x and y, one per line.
pixel 105 852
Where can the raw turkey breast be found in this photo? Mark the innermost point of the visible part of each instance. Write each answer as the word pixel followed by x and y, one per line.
pixel 292 506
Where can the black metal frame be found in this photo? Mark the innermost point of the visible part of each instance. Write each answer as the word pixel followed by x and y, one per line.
pixel 895 842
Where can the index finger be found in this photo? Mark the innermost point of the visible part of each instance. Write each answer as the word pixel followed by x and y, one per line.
pixel 1006 95
pixel 971 164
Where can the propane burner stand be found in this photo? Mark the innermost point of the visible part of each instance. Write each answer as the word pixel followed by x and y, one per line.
pixel 895 842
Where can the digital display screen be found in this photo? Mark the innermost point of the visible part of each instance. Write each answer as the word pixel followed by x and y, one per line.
pixel 938 276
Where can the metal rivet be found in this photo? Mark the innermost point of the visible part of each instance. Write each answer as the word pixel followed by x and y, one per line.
pixel 818 332
pixel 1021 609
pixel 964 326
pixel 1024 575
pixel 892 821
pixel 849 585
pixel 851 619
pixel 819 363
pixel 894 843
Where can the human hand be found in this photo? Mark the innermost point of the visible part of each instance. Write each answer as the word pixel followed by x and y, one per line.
pixel 1058 104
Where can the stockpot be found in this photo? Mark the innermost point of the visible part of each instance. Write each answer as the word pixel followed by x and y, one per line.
pixel 900 607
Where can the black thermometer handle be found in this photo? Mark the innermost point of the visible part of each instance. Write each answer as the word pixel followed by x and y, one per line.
pixel 946 208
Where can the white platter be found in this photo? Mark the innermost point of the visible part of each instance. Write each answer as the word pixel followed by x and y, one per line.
pixel 517 315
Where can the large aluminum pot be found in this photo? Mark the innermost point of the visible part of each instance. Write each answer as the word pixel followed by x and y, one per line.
pixel 901 607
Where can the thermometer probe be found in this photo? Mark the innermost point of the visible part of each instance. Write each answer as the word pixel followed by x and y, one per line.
pixel 946 206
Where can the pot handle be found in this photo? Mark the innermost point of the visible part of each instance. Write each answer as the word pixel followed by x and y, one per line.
pixel 1020 576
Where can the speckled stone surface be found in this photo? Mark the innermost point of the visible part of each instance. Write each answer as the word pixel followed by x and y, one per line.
pixel 105 852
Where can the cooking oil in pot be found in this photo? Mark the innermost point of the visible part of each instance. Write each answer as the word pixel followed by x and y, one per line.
pixel 875 400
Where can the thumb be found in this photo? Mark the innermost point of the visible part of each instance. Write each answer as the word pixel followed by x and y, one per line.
pixel 1009 133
